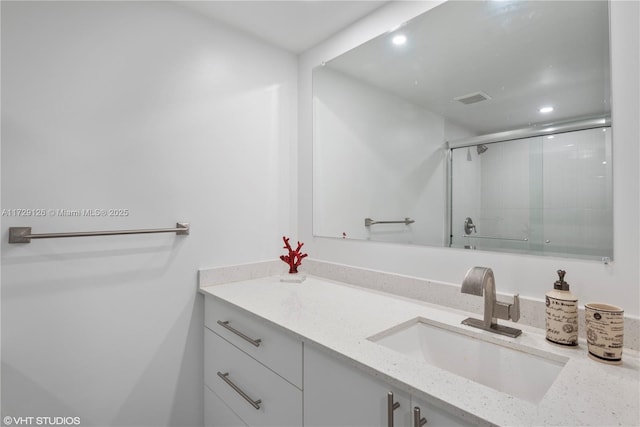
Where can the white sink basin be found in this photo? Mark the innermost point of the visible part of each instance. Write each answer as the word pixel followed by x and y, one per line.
pixel 468 354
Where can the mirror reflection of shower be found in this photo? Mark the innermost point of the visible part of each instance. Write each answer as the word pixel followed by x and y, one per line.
pixel 481 148
pixel 469 226
pixel 514 200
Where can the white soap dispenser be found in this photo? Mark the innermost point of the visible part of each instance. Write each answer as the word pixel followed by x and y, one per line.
pixel 562 313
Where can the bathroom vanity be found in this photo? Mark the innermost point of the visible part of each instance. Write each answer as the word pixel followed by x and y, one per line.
pixel 325 353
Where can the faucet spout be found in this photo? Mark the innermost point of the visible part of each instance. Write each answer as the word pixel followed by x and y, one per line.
pixel 480 281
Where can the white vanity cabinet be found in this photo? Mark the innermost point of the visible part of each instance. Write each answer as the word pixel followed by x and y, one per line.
pixel 256 374
pixel 338 395
pixel 252 372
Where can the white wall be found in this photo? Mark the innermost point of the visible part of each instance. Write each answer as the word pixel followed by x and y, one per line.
pixel 378 156
pixel 616 283
pixel 148 107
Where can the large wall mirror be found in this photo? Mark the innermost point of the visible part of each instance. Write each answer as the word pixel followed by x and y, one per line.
pixel 478 124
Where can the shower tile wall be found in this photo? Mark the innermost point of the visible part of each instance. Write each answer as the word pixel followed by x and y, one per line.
pixel 504 202
pixel 578 192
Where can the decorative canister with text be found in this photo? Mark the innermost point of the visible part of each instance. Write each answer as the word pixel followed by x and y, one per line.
pixel 605 332
pixel 562 313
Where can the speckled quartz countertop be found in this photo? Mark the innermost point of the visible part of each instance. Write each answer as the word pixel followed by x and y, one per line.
pixel 340 318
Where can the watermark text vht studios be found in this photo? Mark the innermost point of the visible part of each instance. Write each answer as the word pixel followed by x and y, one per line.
pixel 40 421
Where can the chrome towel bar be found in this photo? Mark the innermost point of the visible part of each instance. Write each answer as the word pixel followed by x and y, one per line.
pixel 24 235
pixel 369 222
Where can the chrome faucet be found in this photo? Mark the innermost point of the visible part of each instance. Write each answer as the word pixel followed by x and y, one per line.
pixel 479 280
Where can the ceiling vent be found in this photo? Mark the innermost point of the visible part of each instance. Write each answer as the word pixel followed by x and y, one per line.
pixel 472 98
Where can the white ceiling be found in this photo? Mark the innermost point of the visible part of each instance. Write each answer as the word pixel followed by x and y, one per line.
pixel 524 55
pixel 565 66
pixel 292 25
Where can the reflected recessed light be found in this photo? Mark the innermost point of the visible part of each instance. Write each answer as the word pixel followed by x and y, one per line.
pixel 546 109
pixel 399 39
pixel 604 163
pixel 550 137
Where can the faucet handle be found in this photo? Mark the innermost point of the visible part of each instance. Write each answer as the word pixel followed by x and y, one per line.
pixel 506 311
pixel 469 226
pixel 514 309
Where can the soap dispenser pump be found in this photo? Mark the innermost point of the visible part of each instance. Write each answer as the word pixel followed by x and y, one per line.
pixel 562 313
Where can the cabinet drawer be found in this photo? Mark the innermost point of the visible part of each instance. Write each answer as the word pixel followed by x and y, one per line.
pixel 280 402
pixel 276 350
pixel 217 414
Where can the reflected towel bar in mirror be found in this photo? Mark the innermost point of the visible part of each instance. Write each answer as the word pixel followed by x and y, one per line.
pixel 24 235
pixel 369 222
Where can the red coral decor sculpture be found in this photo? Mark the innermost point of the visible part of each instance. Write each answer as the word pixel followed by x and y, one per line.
pixel 294 259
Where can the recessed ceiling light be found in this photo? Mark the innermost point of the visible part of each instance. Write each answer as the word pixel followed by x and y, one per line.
pixel 550 137
pixel 546 109
pixel 399 39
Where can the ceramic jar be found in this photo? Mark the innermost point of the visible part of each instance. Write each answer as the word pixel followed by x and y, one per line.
pixel 605 332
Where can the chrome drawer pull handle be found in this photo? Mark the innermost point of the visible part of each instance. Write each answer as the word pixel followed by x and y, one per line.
pixel 225 324
pixel 254 403
pixel 417 421
pixel 391 406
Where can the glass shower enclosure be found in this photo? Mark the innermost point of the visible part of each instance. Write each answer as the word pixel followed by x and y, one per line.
pixel 548 194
